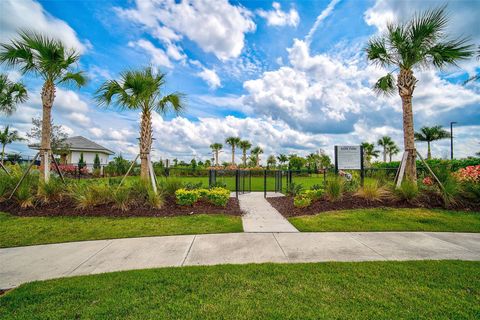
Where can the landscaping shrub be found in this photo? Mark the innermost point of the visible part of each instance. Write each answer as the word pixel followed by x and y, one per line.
pixel 407 191
pixel 186 197
pixel 51 191
pixel 334 189
pixel 316 187
pixel 88 196
pixel 371 190
pixel 219 184
pixel 121 198
pixel 170 185
pixel 313 194
pixel 24 196
pixel 293 189
pixel 302 201
pixel 155 201
pixel 192 186
pixel 7 183
pixel 218 196
pixel 142 192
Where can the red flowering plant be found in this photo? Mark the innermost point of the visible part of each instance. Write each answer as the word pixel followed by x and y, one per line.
pixel 469 174
pixel 427 181
pixel 71 169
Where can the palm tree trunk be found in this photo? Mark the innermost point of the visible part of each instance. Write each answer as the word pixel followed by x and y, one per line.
pixel 244 157
pixel 145 142
pixel 3 152
pixel 429 152
pixel 233 155
pixel 384 154
pixel 406 84
pixel 390 157
pixel 48 96
pixel 216 157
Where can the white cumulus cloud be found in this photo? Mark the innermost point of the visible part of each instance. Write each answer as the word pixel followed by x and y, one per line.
pixel 278 17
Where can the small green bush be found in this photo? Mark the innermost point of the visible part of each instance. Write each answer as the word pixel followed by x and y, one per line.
pixel 192 185
pixel 293 189
pixel 334 189
pixel 316 187
pixel 170 185
pixel 24 195
pixel 471 191
pixel 371 190
pixel 186 197
pixel 121 198
pixel 407 191
pixel 218 196
pixel 51 191
pixel 313 194
pixel 302 201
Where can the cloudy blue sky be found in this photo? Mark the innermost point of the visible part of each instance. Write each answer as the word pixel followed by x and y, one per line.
pixel 290 76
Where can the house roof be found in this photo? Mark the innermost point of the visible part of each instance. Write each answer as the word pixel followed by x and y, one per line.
pixel 79 143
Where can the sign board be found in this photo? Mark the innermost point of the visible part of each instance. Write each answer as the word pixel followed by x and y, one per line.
pixel 348 158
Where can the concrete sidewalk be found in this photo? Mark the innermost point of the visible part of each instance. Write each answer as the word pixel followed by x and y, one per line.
pixel 24 264
pixel 260 216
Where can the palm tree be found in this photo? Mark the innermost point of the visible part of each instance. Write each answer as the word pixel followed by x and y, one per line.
pixel 385 142
pixel 419 43
pixel 282 158
pixel 11 94
pixel 477 76
pixel 141 90
pixel 429 134
pixel 255 152
pixel 216 147
pixel 50 60
pixel 369 152
pixel 392 149
pixel 7 137
pixel 271 161
pixel 244 145
pixel 233 142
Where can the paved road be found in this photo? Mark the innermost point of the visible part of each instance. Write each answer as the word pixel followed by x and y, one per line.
pixel 260 216
pixel 24 264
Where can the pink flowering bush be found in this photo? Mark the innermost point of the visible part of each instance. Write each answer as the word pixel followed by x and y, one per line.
pixel 427 181
pixel 469 174
pixel 71 169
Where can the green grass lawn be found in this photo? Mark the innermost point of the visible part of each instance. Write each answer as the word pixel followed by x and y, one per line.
pixel 23 231
pixel 387 219
pixel 364 290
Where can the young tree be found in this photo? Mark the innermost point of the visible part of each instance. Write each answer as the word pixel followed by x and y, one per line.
pixel 58 135
pixel 81 162
pixel 295 162
pixel 141 90
pixel 96 162
pixel 369 152
pixel 216 147
pixel 419 43
pixel 271 161
pixel 11 94
pixel 233 142
pixel 7 137
pixel 49 59
pixel 244 145
pixel 386 142
pixel 255 154
pixel 430 134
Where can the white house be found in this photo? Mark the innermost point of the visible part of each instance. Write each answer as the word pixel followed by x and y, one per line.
pixel 75 146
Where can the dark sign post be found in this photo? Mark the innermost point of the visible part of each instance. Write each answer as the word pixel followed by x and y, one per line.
pixel 349 158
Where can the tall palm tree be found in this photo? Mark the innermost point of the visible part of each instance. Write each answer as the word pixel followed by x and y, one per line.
pixel 216 147
pixel 11 94
pixel 49 59
pixel 141 90
pixel 282 158
pixel 7 137
pixel 392 150
pixel 385 142
pixel 369 152
pixel 244 145
pixel 233 142
pixel 419 43
pixel 429 134
pixel 271 161
pixel 255 152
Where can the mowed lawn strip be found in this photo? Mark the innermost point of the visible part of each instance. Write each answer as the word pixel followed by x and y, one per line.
pixel 22 231
pixel 364 290
pixel 389 219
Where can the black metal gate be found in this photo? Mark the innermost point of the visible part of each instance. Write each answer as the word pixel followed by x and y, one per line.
pixel 243 182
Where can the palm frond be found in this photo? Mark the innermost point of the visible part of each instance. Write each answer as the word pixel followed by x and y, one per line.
pixel 75 78
pixel 427 28
pixel 175 101
pixel 385 85
pixel 377 52
pixel 450 52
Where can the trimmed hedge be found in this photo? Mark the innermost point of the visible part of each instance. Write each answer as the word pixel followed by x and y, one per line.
pixel 215 196
pixel 433 163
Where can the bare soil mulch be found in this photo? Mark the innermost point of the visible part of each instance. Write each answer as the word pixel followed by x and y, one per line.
pixel 170 209
pixel 349 201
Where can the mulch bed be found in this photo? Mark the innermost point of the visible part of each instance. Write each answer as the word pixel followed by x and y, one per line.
pixel 170 209
pixel 349 201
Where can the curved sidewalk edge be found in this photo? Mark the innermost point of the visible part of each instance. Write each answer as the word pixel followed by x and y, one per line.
pixel 25 264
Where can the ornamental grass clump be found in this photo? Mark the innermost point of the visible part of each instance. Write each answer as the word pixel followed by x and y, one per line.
pixel 53 190
pixel 121 198
pixel 372 191
pixel 408 191
pixel 334 189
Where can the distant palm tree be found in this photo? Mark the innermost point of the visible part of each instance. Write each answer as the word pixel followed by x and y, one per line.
pixel 271 161
pixel 141 90
pixel 216 147
pixel 11 94
pixel 50 60
pixel 233 142
pixel 7 137
pixel 429 134
pixel 244 145
pixel 386 142
pixel 255 152
pixel 369 152
pixel 392 150
pixel 282 158
pixel 477 76
pixel 419 43
pixel 312 160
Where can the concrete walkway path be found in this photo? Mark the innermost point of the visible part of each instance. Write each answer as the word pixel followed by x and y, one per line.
pixel 260 216
pixel 24 264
